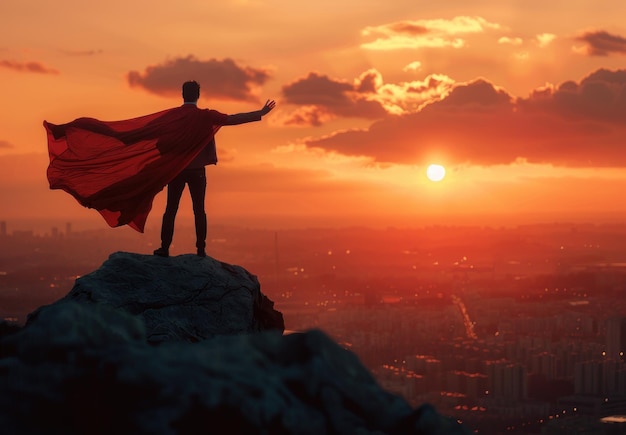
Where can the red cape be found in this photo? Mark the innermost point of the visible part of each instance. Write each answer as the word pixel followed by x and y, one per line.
pixel 118 167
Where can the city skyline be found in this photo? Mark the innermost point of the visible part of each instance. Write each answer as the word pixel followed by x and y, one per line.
pixel 501 328
pixel 521 104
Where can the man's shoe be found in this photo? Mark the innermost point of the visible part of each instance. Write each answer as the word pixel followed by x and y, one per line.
pixel 201 252
pixel 162 252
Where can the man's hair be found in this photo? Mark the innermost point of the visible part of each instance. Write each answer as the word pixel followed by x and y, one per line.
pixel 191 91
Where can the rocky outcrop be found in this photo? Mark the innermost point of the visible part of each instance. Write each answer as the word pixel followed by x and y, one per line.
pixel 88 363
pixel 183 298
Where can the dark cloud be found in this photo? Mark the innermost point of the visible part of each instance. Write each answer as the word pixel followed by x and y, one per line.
pixel 308 116
pixel 82 52
pixel 28 67
pixel 332 98
pixel 602 43
pixel 369 82
pixel 576 124
pixel 317 89
pixel 408 28
pixel 5 144
pixel 479 93
pixel 599 97
pixel 219 79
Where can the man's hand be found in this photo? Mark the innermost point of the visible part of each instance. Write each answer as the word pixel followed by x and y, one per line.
pixel 269 105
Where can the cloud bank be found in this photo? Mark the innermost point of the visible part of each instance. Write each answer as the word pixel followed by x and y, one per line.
pixel 575 124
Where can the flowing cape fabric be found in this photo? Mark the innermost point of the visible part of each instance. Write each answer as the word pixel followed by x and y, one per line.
pixel 118 167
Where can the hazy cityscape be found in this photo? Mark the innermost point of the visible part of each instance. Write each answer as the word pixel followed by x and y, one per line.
pixel 507 329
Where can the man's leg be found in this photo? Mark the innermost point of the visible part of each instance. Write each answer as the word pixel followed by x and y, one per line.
pixel 174 192
pixel 197 189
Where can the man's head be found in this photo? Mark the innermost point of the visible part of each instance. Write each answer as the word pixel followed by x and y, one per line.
pixel 191 91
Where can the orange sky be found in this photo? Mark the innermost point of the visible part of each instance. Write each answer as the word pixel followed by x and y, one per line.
pixel 524 103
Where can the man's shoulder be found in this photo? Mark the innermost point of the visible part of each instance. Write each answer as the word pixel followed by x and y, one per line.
pixel 201 109
pixel 191 108
pixel 216 115
pixel 213 111
pixel 202 114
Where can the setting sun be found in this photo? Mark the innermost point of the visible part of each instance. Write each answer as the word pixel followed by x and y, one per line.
pixel 435 172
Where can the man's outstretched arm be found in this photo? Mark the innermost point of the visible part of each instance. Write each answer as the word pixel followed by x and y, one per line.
pixel 242 118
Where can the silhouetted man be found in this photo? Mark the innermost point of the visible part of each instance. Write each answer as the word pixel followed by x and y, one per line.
pixel 118 167
pixel 194 174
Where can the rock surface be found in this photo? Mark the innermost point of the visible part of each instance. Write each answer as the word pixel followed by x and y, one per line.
pixel 183 298
pixel 88 364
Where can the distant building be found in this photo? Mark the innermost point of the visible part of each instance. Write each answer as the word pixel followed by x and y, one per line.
pixel 616 338
pixel 68 228
pixel 544 363
pixel 3 228
pixel 588 378
pixel 600 378
pixel 507 380
pixel 23 234
pixel 471 384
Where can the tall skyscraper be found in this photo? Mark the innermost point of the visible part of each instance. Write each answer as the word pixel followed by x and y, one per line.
pixel 3 228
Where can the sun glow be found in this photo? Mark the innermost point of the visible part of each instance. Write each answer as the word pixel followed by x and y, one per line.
pixel 435 172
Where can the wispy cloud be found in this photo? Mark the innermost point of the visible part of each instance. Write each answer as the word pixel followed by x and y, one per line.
pixel 219 79
pixel 602 43
pixel 82 52
pixel 27 67
pixel 425 33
